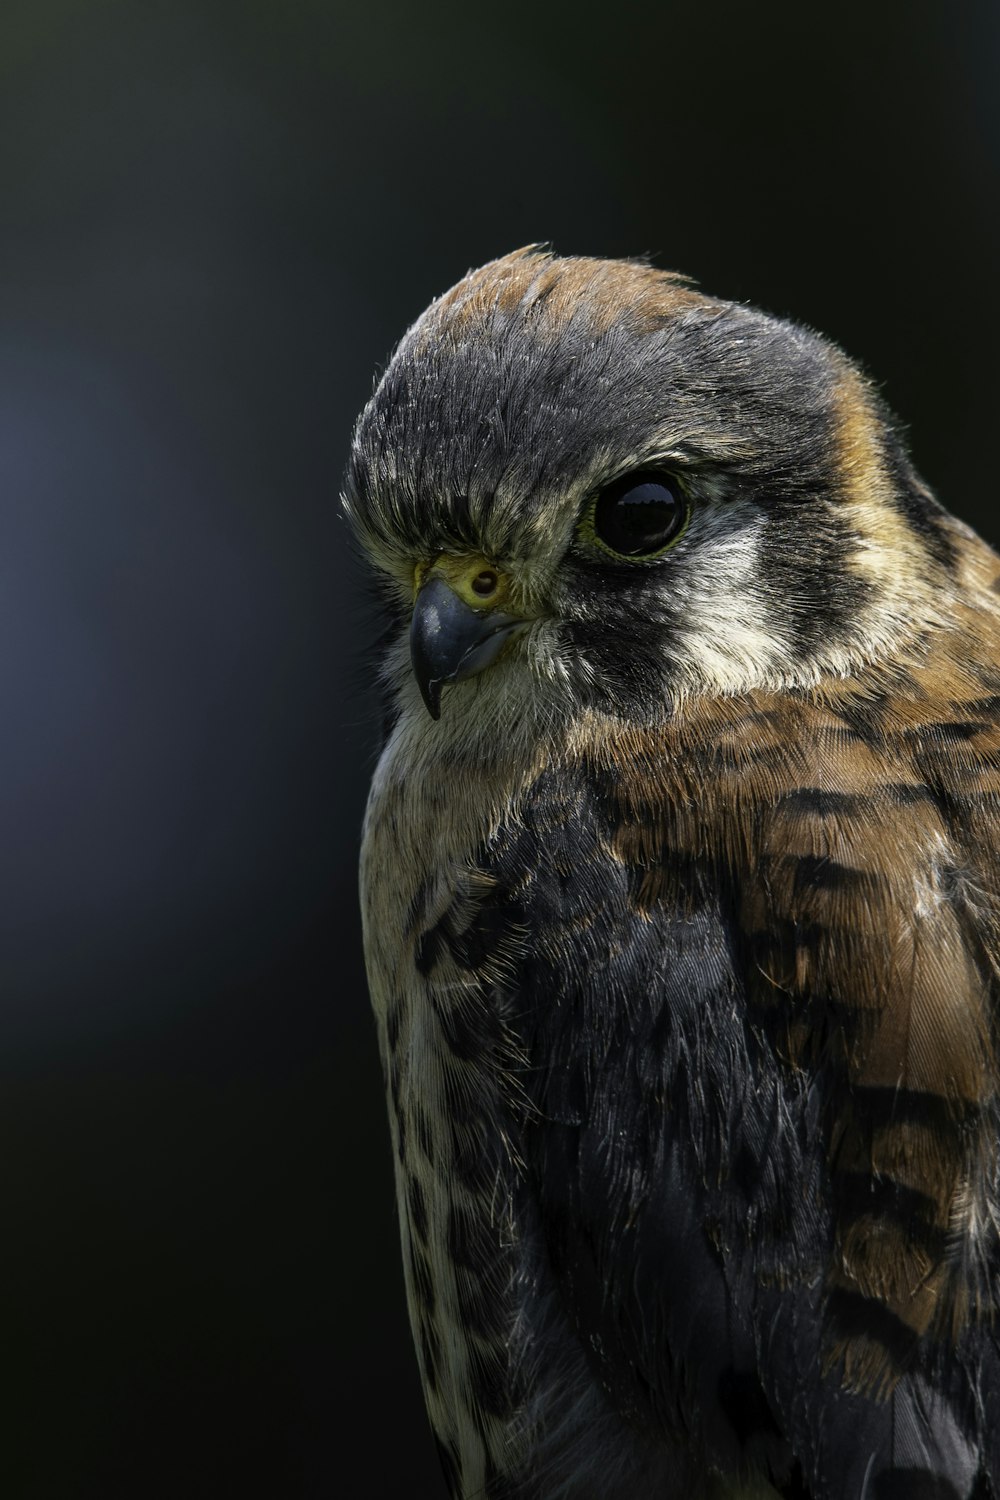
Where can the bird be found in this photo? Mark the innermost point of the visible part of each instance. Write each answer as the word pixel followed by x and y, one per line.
pixel 680 885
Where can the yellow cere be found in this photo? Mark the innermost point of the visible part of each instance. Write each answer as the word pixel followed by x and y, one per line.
pixel 477 582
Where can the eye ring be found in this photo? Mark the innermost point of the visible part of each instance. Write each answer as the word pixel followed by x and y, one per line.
pixel 638 517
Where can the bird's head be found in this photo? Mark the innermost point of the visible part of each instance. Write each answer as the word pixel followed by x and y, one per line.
pixel 587 486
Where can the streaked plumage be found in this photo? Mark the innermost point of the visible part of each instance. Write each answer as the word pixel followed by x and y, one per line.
pixel 683 918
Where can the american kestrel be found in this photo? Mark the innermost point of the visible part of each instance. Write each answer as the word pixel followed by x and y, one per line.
pixel 681 892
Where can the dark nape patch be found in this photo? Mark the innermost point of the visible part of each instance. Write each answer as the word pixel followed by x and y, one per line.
pixel 924 514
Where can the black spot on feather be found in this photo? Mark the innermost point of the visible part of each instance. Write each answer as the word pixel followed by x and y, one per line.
pixel 418 1208
pixel 852 1315
pixel 423 1282
pixel 859 1195
pixel 430 1353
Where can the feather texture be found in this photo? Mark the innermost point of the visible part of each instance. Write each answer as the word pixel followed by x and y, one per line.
pixel 683 922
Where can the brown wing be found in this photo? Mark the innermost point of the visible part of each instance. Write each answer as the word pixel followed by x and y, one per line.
pixel 858 827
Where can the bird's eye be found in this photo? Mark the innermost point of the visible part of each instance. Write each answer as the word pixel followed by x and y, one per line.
pixel 638 516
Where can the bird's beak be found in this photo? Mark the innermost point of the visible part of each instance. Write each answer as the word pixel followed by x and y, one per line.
pixel 450 639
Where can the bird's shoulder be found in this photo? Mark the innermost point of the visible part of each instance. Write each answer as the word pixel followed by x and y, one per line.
pixel 820 869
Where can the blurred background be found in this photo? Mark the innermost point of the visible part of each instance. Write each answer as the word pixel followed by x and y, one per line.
pixel 215 220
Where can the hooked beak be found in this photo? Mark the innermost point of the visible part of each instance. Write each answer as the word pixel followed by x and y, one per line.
pixel 450 641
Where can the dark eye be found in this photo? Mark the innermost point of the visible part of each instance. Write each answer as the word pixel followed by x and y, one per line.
pixel 639 515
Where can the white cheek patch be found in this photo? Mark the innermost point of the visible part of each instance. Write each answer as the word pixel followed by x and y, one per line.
pixel 727 638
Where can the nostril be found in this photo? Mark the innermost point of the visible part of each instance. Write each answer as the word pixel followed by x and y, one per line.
pixel 485 583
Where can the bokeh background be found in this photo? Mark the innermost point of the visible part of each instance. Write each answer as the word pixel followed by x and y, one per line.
pixel 215 219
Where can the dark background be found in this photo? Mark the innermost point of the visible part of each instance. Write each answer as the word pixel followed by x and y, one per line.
pixel 214 222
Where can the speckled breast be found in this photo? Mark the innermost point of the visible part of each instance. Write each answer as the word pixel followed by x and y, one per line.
pixel 447 1068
